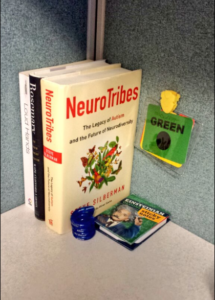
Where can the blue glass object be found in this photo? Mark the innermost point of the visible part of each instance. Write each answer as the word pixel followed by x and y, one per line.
pixel 83 223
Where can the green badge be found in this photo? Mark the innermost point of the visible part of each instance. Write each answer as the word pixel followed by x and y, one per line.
pixel 167 135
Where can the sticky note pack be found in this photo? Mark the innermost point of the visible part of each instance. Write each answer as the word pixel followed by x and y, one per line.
pixel 166 135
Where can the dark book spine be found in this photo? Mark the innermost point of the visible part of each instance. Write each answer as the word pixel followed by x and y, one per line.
pixel 37 141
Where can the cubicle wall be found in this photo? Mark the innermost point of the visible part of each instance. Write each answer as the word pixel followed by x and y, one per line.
pixel 34 34
pixel 172 42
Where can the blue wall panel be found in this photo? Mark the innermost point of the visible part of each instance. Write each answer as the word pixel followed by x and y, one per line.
pixel 173 43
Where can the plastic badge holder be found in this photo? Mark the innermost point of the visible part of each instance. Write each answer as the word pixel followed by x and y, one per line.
pixel 139 134
pixel 83 223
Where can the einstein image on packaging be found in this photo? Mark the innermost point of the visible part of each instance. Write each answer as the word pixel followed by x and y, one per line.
pixel 131 221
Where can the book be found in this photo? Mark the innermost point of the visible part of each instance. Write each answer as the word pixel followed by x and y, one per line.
pixel 89 124
pixel 131 221
pixel 25 109
pixel 36 124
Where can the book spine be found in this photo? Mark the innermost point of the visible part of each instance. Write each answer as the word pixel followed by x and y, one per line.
pixel 53 135
pixel 37 142
pixel 25 108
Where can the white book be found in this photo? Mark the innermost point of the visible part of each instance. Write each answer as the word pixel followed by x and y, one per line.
pixel 26 139
pixel 89 124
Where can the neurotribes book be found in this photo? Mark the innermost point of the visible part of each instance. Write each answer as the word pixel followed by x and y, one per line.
pixel 131 221
pixel 89 124
pixel 36 124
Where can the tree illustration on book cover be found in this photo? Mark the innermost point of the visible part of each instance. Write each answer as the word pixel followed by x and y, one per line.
pixel 101 166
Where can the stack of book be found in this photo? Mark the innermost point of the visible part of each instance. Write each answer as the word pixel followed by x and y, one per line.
pixel 78 129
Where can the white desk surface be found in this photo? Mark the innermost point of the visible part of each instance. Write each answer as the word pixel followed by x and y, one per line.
pixel 38 264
